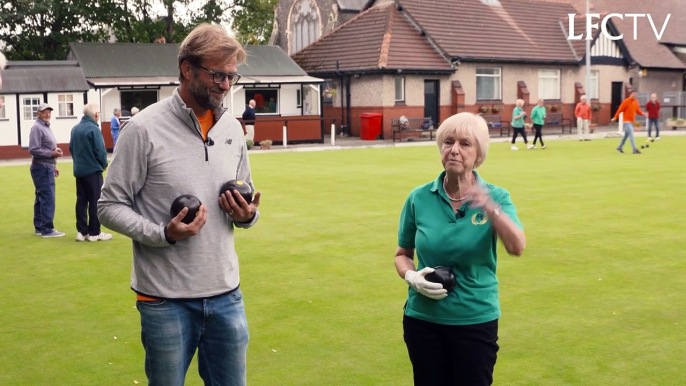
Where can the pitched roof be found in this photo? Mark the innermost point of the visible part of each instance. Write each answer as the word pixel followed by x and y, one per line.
pixel 269 60
pixel 579 46
pixel 152 60
pixel 505 30
pixel 646 50
pixel 113 60
pixel 352 5
pixel 378 39
pixel 43 76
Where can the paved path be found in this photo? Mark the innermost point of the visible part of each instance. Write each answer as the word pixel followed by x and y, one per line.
pixel 343 143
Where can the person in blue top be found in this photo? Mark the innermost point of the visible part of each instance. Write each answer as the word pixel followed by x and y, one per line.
pixel 455 221
pixel 518 117
pixel 114 125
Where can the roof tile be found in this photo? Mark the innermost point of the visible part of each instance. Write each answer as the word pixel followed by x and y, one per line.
pixel 379 38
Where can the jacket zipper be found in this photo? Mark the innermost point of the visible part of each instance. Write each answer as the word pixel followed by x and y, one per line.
pixel 204 143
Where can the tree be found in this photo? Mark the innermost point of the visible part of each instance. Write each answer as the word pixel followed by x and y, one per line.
pixel 42 29
pixel 253 20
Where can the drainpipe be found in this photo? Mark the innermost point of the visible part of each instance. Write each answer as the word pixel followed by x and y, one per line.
pixel 347 101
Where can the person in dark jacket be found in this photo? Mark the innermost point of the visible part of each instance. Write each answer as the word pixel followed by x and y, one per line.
pixel 249 120
pixel 87 148
pixel 653 108
pixel 44 151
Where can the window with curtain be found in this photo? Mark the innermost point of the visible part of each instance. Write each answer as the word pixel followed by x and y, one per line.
pixel 65 105
pixel 488 84
pixel 399 89
pixel 549 84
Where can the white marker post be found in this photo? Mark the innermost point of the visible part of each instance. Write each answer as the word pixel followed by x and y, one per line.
pixel 285 136
pixel 333 134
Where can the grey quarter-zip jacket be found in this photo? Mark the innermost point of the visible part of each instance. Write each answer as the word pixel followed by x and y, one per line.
pixel 42 142
pixel 161 155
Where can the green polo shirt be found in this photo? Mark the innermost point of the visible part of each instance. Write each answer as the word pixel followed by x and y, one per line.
pixel 519 122
pixel 466 244
pixel 538 115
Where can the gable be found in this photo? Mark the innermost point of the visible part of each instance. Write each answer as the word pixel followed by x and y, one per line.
pixel 380 39
pixel 43 76
pixel 523 31
pixel 131 60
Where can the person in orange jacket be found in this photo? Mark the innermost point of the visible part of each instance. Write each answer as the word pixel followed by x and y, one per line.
pixel 630 108
pixel 582 112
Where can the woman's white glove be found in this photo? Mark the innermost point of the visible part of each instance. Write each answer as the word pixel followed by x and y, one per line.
pixel 417 280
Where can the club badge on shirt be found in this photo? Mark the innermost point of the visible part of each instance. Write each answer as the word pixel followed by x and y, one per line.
pixel 479 219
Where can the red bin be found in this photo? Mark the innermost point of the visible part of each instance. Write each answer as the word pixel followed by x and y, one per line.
pixel 371 126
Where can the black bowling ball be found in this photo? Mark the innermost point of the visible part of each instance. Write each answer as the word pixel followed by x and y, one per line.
pixel 444 276
pixel 241 186
pixel 186 201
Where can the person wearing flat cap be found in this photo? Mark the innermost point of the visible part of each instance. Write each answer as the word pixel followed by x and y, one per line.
pixel 44 152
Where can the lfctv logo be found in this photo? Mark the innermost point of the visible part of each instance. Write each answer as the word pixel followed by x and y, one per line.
pixel 590 25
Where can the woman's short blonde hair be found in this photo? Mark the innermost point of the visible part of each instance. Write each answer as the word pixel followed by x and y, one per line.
pixel 208 41
pixel 520 102
pixel 468 125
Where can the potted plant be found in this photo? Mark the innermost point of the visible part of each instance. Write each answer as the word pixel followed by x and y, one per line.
pixel 675 122
pixel 596 107
pixel 495 109
pixel 265 144
pixel 249 144
pixel 554 108
pixel 484 109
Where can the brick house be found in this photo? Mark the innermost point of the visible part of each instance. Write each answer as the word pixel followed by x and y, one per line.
pixel 423 58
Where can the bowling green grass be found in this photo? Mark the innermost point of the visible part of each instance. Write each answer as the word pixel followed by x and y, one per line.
pixel 598 298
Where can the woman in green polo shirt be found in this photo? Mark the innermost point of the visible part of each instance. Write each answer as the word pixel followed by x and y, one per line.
pixel 455 221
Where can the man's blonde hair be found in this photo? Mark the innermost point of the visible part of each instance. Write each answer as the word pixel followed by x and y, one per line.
pixel 208 41
pixel 471 126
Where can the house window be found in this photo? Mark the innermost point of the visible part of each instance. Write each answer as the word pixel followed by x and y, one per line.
pixel 135 98
pixel 329 91
pixel 549 84
pixel 266 100
pixel 30 107
pixel 593 91
pixel 399 89
pixel 488 84
pixel 2 107
pixel 305 25
pixel 298 98
pixel 65 105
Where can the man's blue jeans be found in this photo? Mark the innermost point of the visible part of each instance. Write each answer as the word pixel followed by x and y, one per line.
pixel 44 205
pixel 171 331
pixel 651 122
pixel 628 133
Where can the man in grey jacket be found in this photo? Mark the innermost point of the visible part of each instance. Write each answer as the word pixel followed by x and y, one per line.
pixel 186 275
pixel 44 152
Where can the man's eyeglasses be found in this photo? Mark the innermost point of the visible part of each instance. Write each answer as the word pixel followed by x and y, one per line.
pixel 218 77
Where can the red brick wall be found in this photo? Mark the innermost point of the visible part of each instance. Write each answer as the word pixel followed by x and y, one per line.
pixel 390 112
pixel 14 152
pixel 107 135
pixel 300 128
pixel 17 152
